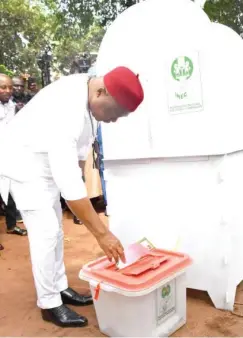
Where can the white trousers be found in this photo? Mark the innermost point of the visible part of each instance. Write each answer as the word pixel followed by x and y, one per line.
pixel 46 249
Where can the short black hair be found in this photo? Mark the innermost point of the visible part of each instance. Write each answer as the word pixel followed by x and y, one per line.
pixel 31 80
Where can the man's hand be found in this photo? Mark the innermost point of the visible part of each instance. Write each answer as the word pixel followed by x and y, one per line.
pixel 111 246
pixel 84 211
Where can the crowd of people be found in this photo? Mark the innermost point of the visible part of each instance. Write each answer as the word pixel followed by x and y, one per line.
pixel 15 93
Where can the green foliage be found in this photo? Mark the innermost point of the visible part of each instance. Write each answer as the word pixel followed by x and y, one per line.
pixel 84 12
pixel 69 48
pixel 23 29
pixel 93 38
pixel 72 14
pixel 28 26
pixel 227 12
pixel 5 70
pixel 107 11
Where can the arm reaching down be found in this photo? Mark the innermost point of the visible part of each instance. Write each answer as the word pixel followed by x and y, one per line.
pixel 68 177
pixel 84 210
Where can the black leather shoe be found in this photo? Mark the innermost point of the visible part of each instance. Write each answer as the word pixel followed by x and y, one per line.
pixel 64 317
pixel 17 231
pixel 69 296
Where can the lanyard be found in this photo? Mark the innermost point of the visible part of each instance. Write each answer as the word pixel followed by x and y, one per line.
pixel 95 145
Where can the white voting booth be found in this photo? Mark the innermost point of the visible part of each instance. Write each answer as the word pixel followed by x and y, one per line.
pixel 174 168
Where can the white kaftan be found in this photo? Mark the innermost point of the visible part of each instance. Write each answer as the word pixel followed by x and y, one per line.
pixel 46 139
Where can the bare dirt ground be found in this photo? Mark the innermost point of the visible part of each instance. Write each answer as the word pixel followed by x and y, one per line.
pixel 19 315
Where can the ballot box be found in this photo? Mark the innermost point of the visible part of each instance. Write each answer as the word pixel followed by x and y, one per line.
pixel 151 286
pixel 174 168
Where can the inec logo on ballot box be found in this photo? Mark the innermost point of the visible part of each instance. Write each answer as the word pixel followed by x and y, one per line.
pixel 182 68
pixel 166 291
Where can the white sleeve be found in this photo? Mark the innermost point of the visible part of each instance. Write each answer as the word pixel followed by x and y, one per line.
pixel 63 156
pixel 66 124
pixel 84 151
pixel 65 169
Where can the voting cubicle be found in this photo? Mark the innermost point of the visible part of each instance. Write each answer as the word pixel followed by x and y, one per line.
pixel 174 168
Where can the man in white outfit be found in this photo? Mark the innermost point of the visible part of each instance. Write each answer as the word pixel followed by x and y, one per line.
pixel 50 139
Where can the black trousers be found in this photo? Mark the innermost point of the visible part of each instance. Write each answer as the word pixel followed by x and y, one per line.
pixel 10 213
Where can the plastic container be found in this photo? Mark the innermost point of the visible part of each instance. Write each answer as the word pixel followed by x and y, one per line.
pixel 146 298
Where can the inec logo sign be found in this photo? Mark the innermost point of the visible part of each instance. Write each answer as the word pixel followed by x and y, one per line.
pixel 184 87
pixel 166 291
pixel 182 68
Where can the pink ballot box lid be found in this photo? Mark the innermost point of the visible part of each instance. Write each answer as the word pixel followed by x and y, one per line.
pixel 144 268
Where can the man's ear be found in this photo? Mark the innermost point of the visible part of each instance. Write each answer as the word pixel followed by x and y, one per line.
pixel 102 91
pixel 99 92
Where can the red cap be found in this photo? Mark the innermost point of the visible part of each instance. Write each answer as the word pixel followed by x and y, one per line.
pixel 124 86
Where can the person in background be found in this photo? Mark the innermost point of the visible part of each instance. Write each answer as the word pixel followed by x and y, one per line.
pixel 20 99
pixel 32 88
pixel 7 112
pixel 19 96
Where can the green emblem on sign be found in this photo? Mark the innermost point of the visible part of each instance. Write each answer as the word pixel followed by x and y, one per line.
pixel 182 68
pixel 166 291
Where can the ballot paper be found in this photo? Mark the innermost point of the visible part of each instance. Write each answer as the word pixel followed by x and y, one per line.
pixel 146 243
pixel 134 252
